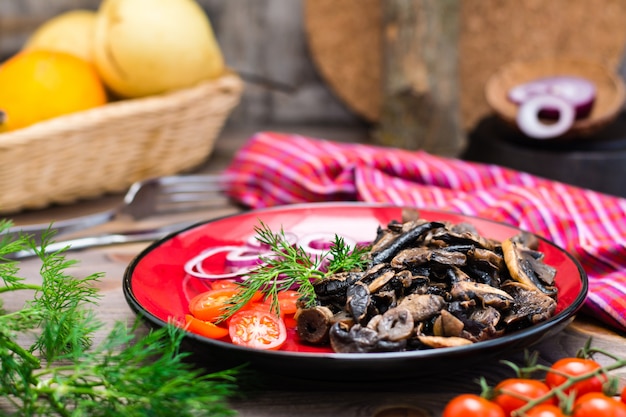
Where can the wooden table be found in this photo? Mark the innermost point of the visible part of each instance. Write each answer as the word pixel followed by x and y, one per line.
pixel 283 396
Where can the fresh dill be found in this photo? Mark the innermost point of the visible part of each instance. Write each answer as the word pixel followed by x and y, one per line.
pixel 289 266
pixel 50 366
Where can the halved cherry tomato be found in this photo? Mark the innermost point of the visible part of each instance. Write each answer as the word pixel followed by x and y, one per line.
pixel 513 393
pixel 204 328
pixel 210 305
pixel 257 328
pixel 287 301
pixel 466 405
pixel 576 367
pixel 596 404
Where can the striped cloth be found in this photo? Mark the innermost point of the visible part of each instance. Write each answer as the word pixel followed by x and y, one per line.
pixel 274 169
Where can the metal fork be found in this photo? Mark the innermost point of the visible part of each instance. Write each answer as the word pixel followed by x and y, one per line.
pixel 154 196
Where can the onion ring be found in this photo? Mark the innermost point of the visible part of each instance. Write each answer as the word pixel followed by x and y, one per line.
pixel 194 267
pixel 529 122
pixel 319 244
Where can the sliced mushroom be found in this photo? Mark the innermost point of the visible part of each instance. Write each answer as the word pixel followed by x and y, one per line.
pixel 381 280
pixel 422 306
pixel 332 290
pixel 420 255
pixel 313 324
pixel 447 325
pixel 443 342
pixel 360 339
pixel 488 316
pixel 489 257
pixel 463 234
pixel 531 305
pixel 395 325
pixel 524 267
pixel 384 300
pixel 488 295
pixel 384 238
pixel 403 240
pixel 358 301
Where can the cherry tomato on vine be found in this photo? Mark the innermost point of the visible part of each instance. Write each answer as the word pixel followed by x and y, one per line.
pixel 210 305
pixel 545 410
pixel 575 367
pixel 204 328
pixel 466 405
pixel 596 404
pixel 622 397
pixel 513 393
pixel 257 328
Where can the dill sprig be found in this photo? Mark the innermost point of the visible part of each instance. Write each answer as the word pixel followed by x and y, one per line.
pixel 289 266
pixel 49 365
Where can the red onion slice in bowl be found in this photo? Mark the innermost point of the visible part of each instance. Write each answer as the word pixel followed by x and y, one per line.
pixel 529 117
pixel 579 92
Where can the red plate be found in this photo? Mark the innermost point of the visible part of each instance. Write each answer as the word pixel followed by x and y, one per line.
pixel 157 287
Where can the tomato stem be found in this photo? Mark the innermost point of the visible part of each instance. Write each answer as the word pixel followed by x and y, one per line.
pixel 560 390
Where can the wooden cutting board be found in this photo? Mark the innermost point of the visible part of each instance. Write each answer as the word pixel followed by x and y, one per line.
pixel 344 37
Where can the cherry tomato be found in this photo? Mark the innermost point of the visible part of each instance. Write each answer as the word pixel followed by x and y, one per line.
pixel 204 328
pixel 466 405
pixel 287 301
pixel 596 404
pixel 545 410
pixel 623 395
pixel 210 305
pixel 221 284
pixel 576 367
pixel 257 329
pixel 513 393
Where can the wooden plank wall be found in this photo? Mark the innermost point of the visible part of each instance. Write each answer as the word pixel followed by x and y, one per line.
pixel 262 39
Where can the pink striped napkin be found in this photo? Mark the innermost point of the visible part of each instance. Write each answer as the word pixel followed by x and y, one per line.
pixel 275 169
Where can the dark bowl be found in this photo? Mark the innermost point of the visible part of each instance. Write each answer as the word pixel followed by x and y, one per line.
pixel 157 288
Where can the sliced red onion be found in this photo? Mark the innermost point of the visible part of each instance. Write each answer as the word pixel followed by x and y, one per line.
pixel 318 244
pixel 244 257
pixel 577 91
pixel 529 119
pixel 195 268
pixel 253 242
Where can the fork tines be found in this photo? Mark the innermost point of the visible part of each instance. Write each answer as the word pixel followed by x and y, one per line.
pixel 191 192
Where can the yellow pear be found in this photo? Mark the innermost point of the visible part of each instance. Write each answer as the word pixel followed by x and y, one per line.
pixel 145 47
pixel 71 32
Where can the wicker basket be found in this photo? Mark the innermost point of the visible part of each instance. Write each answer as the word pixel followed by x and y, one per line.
pixel 609 86
pixel 106 149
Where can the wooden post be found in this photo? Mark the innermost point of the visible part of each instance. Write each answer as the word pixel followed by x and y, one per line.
pixel 420 105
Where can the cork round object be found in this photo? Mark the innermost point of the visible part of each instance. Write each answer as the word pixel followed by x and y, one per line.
pixel 610 91
pixel 345 42
pixel 344 39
